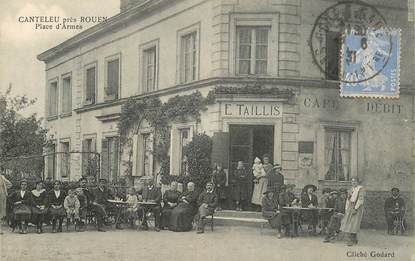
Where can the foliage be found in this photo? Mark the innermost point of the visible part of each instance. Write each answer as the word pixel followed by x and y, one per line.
pixel 20 136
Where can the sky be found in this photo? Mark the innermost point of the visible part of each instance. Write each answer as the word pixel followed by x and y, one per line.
pixel 20 42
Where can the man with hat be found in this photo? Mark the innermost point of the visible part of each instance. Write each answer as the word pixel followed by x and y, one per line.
pixel 287 199
pixel 100 202
pixel 271 212
pixel 394 208
pixel 335 219
pixel 207 202
pixel 309 200
pixel 275 180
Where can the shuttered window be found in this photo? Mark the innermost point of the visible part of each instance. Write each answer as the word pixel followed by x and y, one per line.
pixel 109 158
pixel 65 156
pixel 90 85
pixel 53 99
pixel 113 79
pixel 66 95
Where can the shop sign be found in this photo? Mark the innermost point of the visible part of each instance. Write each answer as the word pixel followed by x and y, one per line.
pixel 251 110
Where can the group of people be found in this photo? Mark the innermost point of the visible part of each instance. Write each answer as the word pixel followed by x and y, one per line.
pixel 245 186
pixel 173 210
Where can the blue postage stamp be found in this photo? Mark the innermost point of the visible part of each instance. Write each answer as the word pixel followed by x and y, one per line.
pixel 370 64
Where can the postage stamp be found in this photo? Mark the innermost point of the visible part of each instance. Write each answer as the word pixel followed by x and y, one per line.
pixel 370 63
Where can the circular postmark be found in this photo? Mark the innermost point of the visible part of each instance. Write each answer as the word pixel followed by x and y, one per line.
pixel 328 33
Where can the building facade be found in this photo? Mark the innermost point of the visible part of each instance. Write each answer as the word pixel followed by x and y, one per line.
pixel 176 47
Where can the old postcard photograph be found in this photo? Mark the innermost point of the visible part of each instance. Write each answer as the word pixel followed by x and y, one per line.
pixel 207 130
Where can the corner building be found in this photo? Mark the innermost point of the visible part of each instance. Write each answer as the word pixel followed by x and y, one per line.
pixel 166 48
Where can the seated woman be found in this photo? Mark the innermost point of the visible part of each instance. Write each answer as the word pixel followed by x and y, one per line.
pixel 170 200
pixel 182 215
pixel 271 212
pixel 56 197
pixel 22 202
pixel 39 209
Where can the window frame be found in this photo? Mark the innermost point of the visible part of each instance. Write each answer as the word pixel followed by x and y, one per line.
pixel 86 68
pixel 266 19
pixel 109 59
pixel 62 96
pixel 50 82
pixel 141 72
pixel 61 157
pixel 337 132
pixel 192 29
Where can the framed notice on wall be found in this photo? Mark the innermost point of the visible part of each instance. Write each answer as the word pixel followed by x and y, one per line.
pixel 305 151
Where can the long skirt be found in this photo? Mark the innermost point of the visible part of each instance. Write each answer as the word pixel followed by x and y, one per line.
pixel 181 218
pixel 350 222
pixel 165 216
pixel 57 212
pixel 22 213
pixel 259 189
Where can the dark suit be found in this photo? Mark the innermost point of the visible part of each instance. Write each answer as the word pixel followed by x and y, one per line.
pixel 275 181
pixel 97 209
pixel 310 216
pixel 209 198
pixel 394 207
pixel 151 194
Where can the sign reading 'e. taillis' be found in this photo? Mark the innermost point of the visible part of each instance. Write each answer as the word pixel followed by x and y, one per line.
pixel 251 109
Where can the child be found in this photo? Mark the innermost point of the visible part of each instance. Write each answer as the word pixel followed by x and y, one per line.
pixel 82 208
pixel 131 212
pixel 258 169
pixel 260 181
pixel 72 205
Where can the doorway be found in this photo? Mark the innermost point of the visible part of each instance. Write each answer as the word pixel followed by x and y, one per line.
pixel 248 142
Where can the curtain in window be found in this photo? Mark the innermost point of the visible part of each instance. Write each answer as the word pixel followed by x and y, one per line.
pixel 244 58
pixel 261 51
pixel 90 84
pixel 344 161
pixel 149 69
pixel 331 156
pixel 67 95
pixel 65 162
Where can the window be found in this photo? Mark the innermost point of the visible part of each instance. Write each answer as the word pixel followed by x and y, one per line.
pixel 109 157
pixel 188 57
pixel 333 45
pixel 252 50
pixel 66 95
pixel 184 136
pixel 337 155
pixel 112 79
pixel 65 159
pixel 51 161
pixel 90 97
pixel 149 69
pixel 89 160
pixel 53 99
pixel 148 154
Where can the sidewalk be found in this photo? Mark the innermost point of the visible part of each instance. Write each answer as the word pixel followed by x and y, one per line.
pixel 225 243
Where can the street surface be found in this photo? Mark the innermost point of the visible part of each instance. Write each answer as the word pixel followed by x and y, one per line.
pixel 225 243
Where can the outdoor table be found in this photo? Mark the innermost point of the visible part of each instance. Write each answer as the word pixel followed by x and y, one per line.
pixel 295 215
pixel 146 206
pixel 119 206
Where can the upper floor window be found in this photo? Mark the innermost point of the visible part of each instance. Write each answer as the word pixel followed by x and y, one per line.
pixel 53 98
pixel 252 50
pixel 188 57
pixel 333 45
pixel 112 85
pixel 149 69
pixel 90 82
pixel 66 94
pixel 337 155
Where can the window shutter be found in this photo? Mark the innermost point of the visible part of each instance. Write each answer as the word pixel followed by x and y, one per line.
pixel 104 159
pixel 84 157
pixel 220 149
pixel 115 153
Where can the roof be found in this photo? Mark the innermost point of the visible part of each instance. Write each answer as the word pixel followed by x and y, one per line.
pixel 118 20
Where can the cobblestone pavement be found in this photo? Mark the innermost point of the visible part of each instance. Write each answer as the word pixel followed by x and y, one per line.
pixel 225 243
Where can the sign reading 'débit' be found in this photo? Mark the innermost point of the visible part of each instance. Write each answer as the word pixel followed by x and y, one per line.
pixel 251 110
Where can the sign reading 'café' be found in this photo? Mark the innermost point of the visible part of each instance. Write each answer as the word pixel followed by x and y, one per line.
pixel 251 109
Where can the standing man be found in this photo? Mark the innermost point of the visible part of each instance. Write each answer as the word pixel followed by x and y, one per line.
pixel 152 193
pixel 275 180
pixel 394 207
pixel 207 203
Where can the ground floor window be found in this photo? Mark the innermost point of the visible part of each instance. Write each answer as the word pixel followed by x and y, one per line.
pixel 147 154
pixel 89 157
pixel 51 161
pixel 337 155
pixel 110 158
pixel 184 135
pixel 65 163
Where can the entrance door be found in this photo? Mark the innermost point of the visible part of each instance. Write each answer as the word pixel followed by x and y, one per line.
pixel 248 142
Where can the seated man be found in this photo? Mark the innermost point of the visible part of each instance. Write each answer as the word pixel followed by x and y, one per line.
pixel 93 205
pixel 151 193
pixel 287 199
pixel 309 200
pixel 207 203
pixel 394 208
pixel 338 213
pixel 271 212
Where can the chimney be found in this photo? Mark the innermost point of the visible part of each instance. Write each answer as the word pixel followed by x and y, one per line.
pixel 127 4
